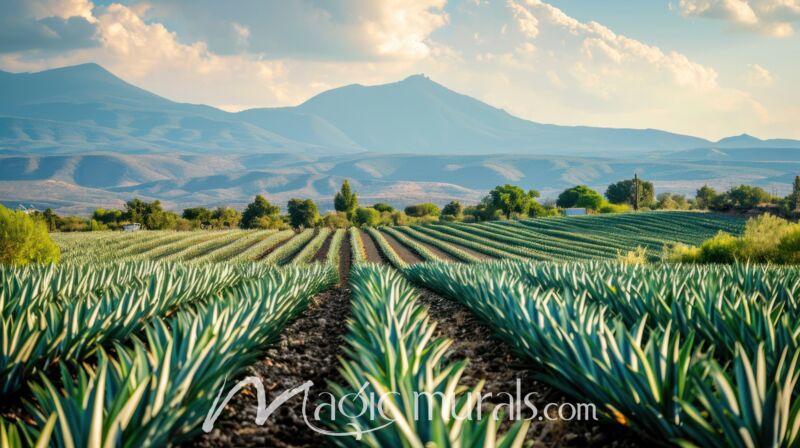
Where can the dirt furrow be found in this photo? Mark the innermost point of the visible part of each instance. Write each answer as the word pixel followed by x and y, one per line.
pixel 494 361
pixel 308 350
pixel 402 251
pixel 322 253
pixel 374 255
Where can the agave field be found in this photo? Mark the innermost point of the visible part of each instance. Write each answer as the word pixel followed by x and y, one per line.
pixel 129 341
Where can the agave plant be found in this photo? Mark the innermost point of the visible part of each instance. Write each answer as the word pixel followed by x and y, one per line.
pixel 755 406
pixel 158 390
pixel 391 353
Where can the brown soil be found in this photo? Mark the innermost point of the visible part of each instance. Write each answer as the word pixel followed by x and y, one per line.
pixel 371 249
pixel 444 256
pixel 274 247
pixel 308 350
pixel 322 253
pixel 493 360
pixel 345 259
pixel 405 253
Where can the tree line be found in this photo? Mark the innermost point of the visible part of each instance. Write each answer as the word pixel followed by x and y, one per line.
pixel 503 202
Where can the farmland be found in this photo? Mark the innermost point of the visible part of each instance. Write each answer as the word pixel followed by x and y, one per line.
pixel 133 335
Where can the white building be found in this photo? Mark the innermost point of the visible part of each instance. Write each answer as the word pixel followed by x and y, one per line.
pixel 131 227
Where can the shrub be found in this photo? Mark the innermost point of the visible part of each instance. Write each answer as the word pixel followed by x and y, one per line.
pixel 681 253
pixel 24 240
pixel 723 248
pixel 614 208
pixel 424 209
pixel 336 220
pixel 382 207
pixel 367 217
pixel 789 247
pixel 633 257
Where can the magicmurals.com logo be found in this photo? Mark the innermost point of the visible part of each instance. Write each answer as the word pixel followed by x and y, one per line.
pixel 366 404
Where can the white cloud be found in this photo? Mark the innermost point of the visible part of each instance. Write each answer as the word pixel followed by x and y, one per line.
pixel 533 59
pixel 772 17
pixel 758 76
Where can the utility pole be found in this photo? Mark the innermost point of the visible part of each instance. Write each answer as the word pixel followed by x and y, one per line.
pixel 635 191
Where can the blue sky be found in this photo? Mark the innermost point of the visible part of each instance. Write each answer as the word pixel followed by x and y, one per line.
pixel 710 68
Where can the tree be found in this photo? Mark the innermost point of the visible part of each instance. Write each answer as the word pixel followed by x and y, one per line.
pixel 795 203
pixel 25 240
pixel 200 214
pixel 381 207
pixel 580 196
pixel 747 197
pixel 453 208
pixel 622 192
pixel 705 197
pixel 367 217
pixel 510 199
pixel 259 208
pixel 302 213
pixel 149 214
pixel 424 209
pixel 345 200
pixel 228 218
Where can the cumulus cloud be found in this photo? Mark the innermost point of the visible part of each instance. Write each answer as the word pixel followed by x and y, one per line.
pixel 342 29
pixel 46 25
pixel 530 57
pixel 772 17
pixel 552 67
pixel 758 76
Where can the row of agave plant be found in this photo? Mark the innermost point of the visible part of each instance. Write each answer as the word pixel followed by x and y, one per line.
pixel 400 390
pixel 157 385
pixel 53 312
pixel 704 356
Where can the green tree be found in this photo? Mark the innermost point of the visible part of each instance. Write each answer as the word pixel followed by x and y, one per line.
pixel 510 199
pixel 453 208
pixel 259 208
pixel 424 209
pixel 302 213
pixel 345 200
pixel 228 218
pixel 705 197
pixel 149 214
pixel 747 197
pixel 200 214
pixel 25 240
pixel 367 217
pixel 622 193
pixel 580 196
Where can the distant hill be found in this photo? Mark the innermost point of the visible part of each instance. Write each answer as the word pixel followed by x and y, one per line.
pixel 79 183
pixel 86 108
pixel 79 137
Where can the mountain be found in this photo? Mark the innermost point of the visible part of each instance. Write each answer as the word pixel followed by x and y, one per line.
pixel 76 138
pixel 86 108
pixel 420 115
pixel 748 141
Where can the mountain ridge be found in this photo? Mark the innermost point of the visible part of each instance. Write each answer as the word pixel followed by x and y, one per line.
pixel 413 115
